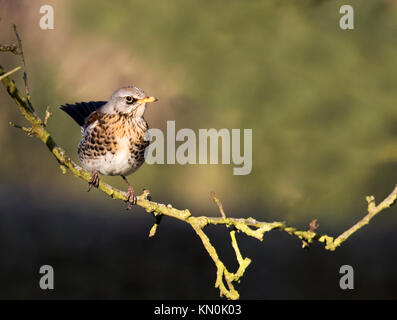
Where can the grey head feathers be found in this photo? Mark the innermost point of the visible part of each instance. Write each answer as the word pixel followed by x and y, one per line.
pixel 124 100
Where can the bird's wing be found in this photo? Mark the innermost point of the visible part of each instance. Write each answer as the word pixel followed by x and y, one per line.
pixel 81 111
pixel 91 122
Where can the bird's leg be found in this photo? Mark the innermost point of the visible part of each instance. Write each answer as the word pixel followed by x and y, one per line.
pixel 94 181
pixel 131 198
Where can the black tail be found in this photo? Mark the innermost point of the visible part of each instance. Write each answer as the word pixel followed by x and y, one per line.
pixel 81 110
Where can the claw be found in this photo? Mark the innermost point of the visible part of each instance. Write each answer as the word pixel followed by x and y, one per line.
pixel 131 197
pixel 94 181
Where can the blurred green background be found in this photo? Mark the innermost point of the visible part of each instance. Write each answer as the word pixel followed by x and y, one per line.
pixel 321 103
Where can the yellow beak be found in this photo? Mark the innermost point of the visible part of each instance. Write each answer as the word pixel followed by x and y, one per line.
pixel 148 100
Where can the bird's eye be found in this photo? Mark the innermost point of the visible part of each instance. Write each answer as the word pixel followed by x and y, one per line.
pixel 130 99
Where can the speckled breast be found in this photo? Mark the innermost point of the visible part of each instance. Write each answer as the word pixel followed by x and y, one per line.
pixel 114 144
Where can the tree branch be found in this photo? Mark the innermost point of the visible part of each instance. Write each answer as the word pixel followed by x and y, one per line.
pixel 25 76
pixel 225 279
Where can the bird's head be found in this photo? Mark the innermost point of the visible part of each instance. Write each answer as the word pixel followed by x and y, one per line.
pixel 128 100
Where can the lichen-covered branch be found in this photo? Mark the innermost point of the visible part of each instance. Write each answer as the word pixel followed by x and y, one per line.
pixel 225 279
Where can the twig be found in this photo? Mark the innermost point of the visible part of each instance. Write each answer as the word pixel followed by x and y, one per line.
pixel 373 210
pixel 313 225
pixel 157 218
pixel 9 48
pixel 47 116
pixel 28 131
pixel 222 272
pixel 218 203
pixel 25 76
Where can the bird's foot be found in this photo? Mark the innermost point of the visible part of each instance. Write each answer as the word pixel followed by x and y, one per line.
pixel 94 181
pixel 131 198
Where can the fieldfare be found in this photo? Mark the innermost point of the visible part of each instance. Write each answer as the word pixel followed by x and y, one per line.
pixel 113 142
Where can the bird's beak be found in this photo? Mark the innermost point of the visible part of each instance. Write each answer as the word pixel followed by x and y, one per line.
pixel 148 100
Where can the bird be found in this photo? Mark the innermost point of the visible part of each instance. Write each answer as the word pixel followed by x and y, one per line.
pixel 113 135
